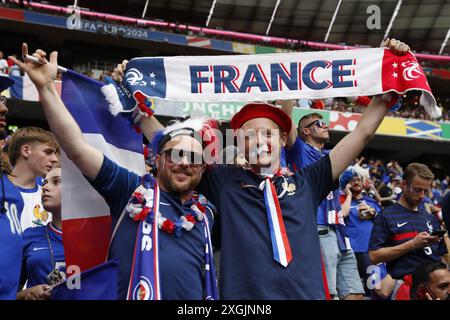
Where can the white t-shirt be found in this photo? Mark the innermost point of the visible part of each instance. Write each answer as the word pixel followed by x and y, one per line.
pixel 33 214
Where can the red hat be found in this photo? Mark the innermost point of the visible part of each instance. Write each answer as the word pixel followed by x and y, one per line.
pixel 261 110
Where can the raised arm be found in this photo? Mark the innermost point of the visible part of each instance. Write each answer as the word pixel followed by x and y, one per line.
pixel 352 144
pixel 287 106
pixel 68 133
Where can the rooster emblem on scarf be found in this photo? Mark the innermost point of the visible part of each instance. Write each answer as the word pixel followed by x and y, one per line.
pixel 411 70
pixel 290 188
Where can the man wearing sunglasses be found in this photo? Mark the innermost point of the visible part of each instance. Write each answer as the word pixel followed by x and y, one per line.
pixel 403 235
pixel 184 217
pixel 305 146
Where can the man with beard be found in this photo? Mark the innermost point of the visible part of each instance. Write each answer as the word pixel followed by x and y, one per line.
pixel 184 217
pixel 402 234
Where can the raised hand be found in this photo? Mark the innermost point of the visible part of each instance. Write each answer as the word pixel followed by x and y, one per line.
pixel 42 73
pixel 118 72
pixel 396 46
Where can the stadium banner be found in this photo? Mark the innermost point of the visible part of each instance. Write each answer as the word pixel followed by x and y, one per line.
pixel 306 75
pixel 298 113
pixel 86 217
pixel 392 127
pixel 421 128
pixel 445 130
pixel 337 121
pixel 343 121
pixel 216 110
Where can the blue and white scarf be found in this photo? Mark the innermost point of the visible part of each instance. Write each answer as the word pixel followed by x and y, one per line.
pixel 266 77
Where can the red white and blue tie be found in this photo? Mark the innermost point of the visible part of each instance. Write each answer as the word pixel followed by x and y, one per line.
pixel 280 243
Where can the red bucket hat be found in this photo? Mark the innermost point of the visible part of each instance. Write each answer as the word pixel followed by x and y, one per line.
pixel 261 110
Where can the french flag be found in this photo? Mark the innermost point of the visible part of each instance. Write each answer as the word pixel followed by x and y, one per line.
pixel 85 214
pixel 24 89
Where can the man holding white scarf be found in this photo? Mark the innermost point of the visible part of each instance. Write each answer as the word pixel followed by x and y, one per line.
pixel 270 247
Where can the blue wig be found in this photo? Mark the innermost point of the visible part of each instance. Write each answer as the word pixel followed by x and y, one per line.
pixel 346 176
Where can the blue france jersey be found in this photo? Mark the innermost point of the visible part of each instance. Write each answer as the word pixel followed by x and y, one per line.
pixel 248 270
pixel 396 225
pixel 181 259
pixel 359 230
pixel 11 241
pixel 37 261
pixel 302 154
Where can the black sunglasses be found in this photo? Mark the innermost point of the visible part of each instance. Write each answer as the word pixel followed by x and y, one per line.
pixel 176 156
pixel 319 123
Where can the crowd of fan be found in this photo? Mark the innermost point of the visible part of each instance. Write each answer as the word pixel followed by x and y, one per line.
pixel 385 184
pixel 384 179
pixel 410 108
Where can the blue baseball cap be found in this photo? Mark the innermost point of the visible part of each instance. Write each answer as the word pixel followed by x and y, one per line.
pixel 5 82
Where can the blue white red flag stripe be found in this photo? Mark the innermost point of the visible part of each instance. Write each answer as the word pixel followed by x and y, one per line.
pixel 280 242
pixel 84 211
pixel 24 88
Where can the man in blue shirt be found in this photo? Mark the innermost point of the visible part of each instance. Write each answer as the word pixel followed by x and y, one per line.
pixel 181 258
pixel 402 233
pixel 249 269
pixel 245 206
pixel 184 217
pixel 305 148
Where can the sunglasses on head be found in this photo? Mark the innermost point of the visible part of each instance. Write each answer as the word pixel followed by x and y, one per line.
pixel 319 123
pixel 176 156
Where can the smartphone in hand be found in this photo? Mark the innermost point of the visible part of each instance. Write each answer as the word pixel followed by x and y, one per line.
pixel 422 291
pixel 439 233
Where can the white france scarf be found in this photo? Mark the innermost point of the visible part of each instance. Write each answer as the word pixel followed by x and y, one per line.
pixel 312 75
